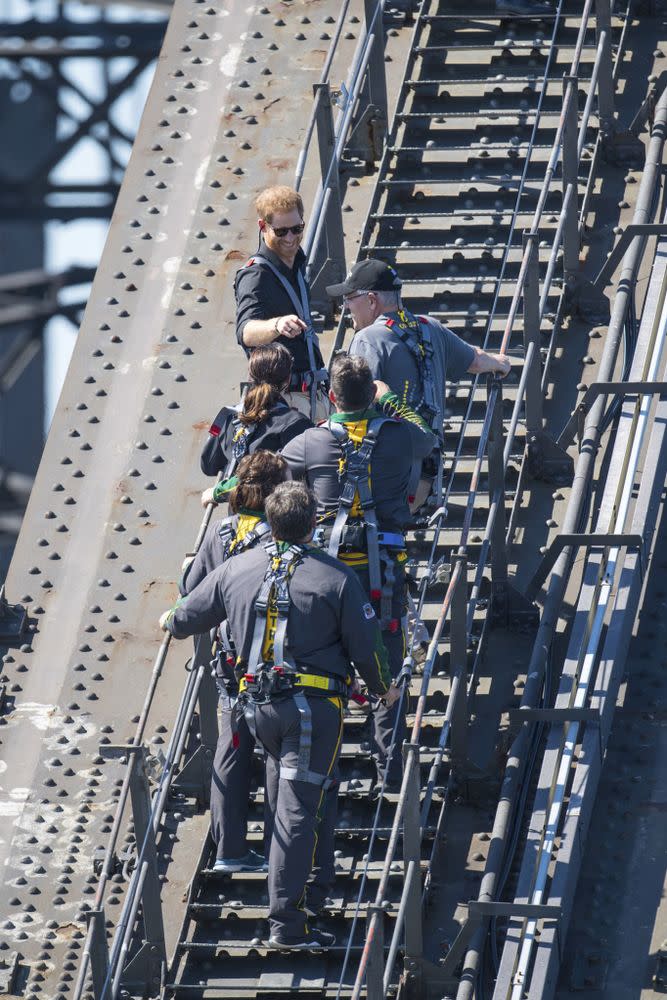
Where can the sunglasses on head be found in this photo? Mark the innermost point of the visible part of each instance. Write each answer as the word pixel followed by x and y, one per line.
pixel 284 230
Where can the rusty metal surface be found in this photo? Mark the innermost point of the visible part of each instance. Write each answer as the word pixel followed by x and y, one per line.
pixel 115 504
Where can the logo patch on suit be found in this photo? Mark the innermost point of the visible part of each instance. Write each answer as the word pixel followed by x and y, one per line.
pixel 368 611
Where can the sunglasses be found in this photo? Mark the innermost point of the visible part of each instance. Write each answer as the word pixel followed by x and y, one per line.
pixel 349 298
pixel 284 230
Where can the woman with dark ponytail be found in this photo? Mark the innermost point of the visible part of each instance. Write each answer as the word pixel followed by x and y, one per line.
pixel 256 477
pixel 261 420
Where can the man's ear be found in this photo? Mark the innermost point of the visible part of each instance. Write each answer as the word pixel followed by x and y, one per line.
pixel 262 225
pixel 332 398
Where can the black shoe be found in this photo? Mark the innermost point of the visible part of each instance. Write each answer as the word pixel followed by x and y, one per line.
pixel 313 910
pixel 314 940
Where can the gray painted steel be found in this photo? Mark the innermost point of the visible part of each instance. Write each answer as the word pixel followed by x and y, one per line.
pixel 115 503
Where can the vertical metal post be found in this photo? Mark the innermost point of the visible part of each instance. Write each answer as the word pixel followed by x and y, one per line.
pixel 606 71
pixel 412 854
pixel 376 77
pixel 458 664
pixel 495 451
pixel 151 906
pixel 207 697
pixel 98 952
pixel 570 177
pixel 375 966
pixel 327 255
pixel 531 335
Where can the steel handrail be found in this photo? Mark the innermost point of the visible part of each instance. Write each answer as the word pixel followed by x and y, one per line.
pixel 570 95
pixel 559 573
pixel 356 81
pixel 324 78
pixel 136 741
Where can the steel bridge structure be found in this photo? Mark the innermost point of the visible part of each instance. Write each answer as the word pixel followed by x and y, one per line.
pixel 510 167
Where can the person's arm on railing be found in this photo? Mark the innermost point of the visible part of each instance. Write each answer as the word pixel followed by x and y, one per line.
pixel 202 609
pixel 484 363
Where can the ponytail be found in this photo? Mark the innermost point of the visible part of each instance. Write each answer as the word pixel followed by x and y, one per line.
pixel 258 475
pixel 269 371
pixel 258 402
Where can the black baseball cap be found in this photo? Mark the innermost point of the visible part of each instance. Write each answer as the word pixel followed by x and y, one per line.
pixel 367 276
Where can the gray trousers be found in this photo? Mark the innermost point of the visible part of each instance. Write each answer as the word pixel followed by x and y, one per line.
pixel 301 859
pixel 232 772
pixel 384 719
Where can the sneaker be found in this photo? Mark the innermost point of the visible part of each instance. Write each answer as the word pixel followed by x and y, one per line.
pixel 314 940
pixel 534 7
pixel 313 910
pixel 251 862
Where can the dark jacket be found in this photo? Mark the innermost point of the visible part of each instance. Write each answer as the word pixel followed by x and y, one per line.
pixel 282 424
pixel 315 456
pixel 259 295
pixel 330 623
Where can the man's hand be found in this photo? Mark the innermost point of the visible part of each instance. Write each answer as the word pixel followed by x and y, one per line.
pixel 484 363
pixel 289 326
pixel 381 388
pixel 503 365
pixel 207 497
pixel 164 618
pixel 392 695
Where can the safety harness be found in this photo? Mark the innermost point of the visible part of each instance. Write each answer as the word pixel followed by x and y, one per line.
pixel 356 496
pixel 417 338
pixel 315 377
pixel 415 333
pixel 271 671
pixel 240 444
pixel 232 545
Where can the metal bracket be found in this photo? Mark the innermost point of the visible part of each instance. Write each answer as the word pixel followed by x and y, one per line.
pixel 194 778
pixel 548 461
pixel 646 111
pixel 8 969
pixel 602 540
pixel 576 421
pixel 627 236
pixel 531 911
pixel 367 137
pixel 478 910
pixel 564 715
pixel 512 609
pixel 143 970
pixel 583 298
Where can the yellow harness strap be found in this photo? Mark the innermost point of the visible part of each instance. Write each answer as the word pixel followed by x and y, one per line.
pixel 306 680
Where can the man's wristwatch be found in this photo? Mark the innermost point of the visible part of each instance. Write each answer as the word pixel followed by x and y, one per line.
pixel 275 326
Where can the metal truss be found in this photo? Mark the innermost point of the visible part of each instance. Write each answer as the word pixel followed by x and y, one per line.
pixel 39 55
